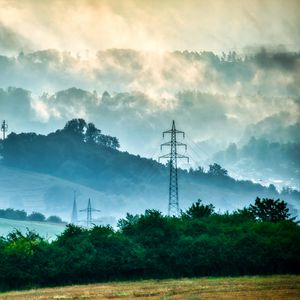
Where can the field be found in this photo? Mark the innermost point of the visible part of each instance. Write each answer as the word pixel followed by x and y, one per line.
pixel 269 287
pixel 46 230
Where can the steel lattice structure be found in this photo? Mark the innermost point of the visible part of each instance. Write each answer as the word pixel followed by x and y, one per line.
pixel 89 211
pixel 74 218
pixel 173 208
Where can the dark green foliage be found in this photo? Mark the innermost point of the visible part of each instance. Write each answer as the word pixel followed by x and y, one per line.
pixel 199 210
pixel 22 259
pixel 200 243
pixel 270 210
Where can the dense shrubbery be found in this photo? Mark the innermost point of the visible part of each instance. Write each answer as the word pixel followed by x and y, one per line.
pixel 21 215
pixel 199 243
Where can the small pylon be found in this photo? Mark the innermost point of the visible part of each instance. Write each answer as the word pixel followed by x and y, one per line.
pixel 74 218
pixel 89 211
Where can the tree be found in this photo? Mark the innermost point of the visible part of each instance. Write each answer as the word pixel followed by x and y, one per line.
pixel 217 170
pixel 126 224
pixel 36 216
pixel 76 127
pixel 270 210
pixel 54 219
pixel 108 141
pixel 92 134
pixel 13 214
pixel 199 210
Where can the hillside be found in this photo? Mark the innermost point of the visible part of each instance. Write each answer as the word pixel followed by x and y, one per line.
pixel 46 168
pixel 46 230
pixel 280 161
pixel 32 191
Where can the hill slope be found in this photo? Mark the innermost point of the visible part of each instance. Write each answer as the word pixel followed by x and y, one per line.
pixel 32 191
pixel 45 170
pixel 46 230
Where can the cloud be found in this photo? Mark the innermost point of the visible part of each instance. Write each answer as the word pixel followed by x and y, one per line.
pixel 128 48
pixel 157 25
pixel 213 98
pixel 280 127
pixel 10 40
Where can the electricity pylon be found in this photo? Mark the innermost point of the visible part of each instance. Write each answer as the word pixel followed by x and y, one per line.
pixel 4 128
pixel 74 218
pixel 173 208
pixel 89 211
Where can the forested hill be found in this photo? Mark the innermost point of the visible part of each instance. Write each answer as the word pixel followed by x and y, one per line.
pixel 82 154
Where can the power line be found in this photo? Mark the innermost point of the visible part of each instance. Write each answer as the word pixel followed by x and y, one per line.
pixel 173 207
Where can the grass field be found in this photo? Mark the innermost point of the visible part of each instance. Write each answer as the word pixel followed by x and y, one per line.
pixel 46 230
pixel 269 287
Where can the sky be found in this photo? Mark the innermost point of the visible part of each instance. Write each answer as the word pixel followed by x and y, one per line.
pixel 64 54
pixel 90 25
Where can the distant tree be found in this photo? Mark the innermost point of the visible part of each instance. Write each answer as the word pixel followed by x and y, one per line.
pixel 92 134
pixel 76 127
pixel 36 216
pixel 109 141
pixel 13 214
pixel 199 210
pixel 197 171
pixel 54 219
pixel 217 170
pixel 270 210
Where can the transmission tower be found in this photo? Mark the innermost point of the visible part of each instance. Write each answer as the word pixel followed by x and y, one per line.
pixel 4 128
pixel 74 218
pixel 89 211
pixel 173 208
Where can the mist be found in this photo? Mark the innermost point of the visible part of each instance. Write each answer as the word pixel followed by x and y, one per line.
pixel 216 99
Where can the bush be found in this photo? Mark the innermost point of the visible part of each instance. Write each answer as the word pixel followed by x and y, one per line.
pixel 152 245
pixel 54 219
pixel 36 216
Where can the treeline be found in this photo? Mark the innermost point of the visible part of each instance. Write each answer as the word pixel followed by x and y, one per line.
pixel 259 239
pixel 58 151
pixel 21 215
pixel 283 158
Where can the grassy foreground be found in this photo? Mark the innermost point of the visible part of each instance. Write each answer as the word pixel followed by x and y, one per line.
pixel 268 287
